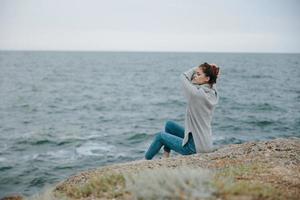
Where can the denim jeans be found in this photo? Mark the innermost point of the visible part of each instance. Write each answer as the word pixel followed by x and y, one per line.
pixel 171 138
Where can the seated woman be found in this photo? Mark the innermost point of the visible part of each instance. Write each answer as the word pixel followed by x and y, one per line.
pixel 201 93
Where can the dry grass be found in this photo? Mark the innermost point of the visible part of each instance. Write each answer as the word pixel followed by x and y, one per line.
pixel 185 183
pixel 46 194
pixel 108 186
pixel 243 182
pixel 166 183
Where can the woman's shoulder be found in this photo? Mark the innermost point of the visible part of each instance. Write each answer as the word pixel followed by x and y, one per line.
pixel 208 88
pixel 211 93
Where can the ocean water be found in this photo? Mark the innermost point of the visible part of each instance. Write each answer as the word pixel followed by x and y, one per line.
pixel 64 112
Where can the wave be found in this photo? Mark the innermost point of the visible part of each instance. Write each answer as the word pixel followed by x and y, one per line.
pixel 5 168
pixel 40 140
pixel 265 107
pixel 94 149
pixel 138 136
pixel 38 181
pixel 228 140
pixel 261 123
pixel 36 142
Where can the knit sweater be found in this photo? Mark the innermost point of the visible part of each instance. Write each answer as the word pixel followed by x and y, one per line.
pixel 201 102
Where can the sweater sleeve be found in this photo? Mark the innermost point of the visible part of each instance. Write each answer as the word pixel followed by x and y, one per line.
pixel 188 87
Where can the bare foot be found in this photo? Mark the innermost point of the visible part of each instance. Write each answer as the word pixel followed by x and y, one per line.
pixel 166 154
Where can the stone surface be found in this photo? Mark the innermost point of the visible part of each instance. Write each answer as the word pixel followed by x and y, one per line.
pixel 13 197
pixel 282 156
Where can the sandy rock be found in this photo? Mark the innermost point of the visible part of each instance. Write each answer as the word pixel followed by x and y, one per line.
pixel 15 197
pixel 282 156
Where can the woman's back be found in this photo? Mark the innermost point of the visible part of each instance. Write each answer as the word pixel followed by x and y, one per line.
pixel 201 101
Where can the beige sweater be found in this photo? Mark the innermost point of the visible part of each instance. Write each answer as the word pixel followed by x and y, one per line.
pixel 201 102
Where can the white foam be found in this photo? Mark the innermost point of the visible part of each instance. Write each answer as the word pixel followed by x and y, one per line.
pixel 60 155
pixel 2 159
pixel 94 149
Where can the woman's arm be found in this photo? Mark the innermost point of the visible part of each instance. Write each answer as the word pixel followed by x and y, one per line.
pixel 188 87
pixel 189 73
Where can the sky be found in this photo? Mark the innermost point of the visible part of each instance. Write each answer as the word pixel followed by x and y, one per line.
pixel 151 25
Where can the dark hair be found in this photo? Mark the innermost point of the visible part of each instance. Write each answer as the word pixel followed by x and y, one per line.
pixel 211 71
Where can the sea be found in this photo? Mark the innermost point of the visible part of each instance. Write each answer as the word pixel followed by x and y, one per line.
pixel 65 112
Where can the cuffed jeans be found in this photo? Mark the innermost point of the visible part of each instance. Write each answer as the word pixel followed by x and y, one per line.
pixel 171 138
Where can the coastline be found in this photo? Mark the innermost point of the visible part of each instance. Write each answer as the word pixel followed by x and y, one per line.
pixel 273 165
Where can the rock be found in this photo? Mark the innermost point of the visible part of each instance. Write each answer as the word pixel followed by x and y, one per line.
pixel 281 156
pixel 15 197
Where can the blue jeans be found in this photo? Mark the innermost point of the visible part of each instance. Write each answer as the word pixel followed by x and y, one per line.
pixel 171 138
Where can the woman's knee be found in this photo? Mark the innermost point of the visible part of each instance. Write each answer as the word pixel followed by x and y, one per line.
pixel 163 136
pixel 158 136
pixel 168 125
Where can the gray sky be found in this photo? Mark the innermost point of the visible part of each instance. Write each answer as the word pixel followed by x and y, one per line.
pixel 151 25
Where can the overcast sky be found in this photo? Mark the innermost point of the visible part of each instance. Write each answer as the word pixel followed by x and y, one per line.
pixel 151 25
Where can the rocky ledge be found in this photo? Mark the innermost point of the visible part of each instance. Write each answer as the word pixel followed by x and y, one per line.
pixel 257 170
pixel 274 164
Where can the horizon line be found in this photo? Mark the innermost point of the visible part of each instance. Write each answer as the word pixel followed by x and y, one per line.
pixel 146 51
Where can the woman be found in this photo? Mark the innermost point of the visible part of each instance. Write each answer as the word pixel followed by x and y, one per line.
pixel 201 93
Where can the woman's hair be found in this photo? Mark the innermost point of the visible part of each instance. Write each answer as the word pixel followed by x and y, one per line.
pixel 210 70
